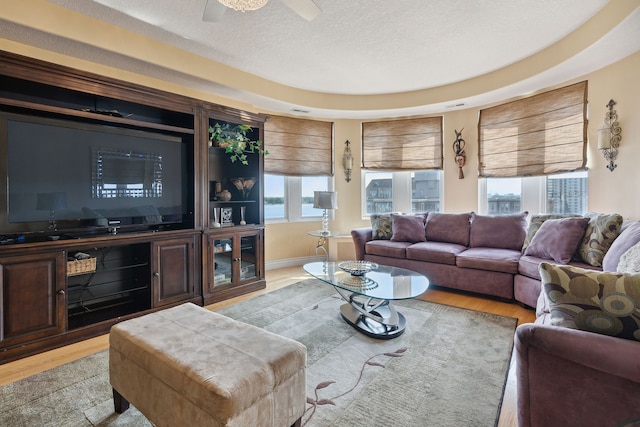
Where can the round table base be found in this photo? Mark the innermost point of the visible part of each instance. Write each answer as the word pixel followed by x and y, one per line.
pixel 371 327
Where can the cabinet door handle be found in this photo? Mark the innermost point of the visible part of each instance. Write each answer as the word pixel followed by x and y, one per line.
pixel 61 292
pixel 156 274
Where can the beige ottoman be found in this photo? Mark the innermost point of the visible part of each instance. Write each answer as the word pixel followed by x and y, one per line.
pixel 188 366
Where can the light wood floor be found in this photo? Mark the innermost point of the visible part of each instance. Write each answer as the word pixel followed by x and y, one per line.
pixel 276 279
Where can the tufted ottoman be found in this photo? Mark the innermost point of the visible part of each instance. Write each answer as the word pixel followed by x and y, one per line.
pixel 188 366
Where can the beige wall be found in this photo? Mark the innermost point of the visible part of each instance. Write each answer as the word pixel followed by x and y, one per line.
pixel 608 191
pixel 616 191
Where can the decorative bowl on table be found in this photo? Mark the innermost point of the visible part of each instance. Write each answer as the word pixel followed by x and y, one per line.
pixel 357 268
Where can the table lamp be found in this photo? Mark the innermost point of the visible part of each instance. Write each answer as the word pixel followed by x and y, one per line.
pixel 325 200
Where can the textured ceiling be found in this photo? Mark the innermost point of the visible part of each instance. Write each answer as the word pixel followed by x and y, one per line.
pixel 365 47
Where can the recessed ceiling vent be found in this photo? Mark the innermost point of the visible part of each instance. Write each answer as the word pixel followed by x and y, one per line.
pixel 297 110
pixel 455 105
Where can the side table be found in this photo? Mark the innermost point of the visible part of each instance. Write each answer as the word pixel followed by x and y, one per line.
pixel 323 237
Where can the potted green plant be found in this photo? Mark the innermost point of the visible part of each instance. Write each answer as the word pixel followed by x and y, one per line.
pixel 233 138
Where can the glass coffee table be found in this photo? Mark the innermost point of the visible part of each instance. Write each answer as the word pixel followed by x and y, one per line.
pixel 369 293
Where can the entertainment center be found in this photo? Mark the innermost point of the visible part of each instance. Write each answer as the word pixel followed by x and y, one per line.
pixel 108 208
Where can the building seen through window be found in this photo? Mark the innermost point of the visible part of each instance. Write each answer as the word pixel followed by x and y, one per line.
pixel 417 191
pixel 563 194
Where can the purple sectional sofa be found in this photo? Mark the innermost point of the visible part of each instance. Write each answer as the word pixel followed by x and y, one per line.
pixel 579 363
pixel 568 372
pixel 461 251
pixel 465 251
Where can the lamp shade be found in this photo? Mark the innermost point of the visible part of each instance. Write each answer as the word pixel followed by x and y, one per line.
pixel 325 200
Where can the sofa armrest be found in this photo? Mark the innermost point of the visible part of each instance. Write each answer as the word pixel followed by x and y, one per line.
pixel 560 370
pixel 614 356
pixel 360 238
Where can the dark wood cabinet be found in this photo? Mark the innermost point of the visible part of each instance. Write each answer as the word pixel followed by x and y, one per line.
pixel 33 297
pixel 45 304
pixel 233 241
pixel 234 262
pixel 174 270
pixel 145 219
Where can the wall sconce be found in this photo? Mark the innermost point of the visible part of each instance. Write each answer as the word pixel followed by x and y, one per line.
pixel 609 136
pixel 347 161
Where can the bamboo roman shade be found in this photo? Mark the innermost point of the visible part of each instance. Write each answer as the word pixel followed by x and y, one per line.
pixel 298 147
pixel 539 135
pixel 408 144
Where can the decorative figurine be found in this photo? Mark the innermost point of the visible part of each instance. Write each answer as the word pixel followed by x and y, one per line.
pixel 458 149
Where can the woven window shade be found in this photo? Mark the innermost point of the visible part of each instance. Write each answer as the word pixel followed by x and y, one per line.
pixel 408 144
pixel 298 147
pixel 539 135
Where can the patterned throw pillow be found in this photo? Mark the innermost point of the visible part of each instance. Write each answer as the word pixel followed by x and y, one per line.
pixel 381 226
pixel 536 222
pixel 630 261
pixel 600 234
pixel 595 301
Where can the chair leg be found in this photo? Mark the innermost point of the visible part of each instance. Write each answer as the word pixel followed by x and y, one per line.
pixel 119 402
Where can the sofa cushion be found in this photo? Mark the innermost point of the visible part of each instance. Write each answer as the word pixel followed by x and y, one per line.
pixel 491 259
pixel 535 223
pixel 436 252
pixel 629 236
pixel 381 227
pixel 387 248
pixel 630 260
pixel 408 228
pixel 448 227
pixel 600 302
pixel 557 239
pixel 499 231
pixel 598 237
pixel 528 266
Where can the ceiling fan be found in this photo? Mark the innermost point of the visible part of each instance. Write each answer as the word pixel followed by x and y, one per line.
pixel 215 9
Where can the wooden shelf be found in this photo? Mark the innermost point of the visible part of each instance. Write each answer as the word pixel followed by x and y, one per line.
pixel 94 116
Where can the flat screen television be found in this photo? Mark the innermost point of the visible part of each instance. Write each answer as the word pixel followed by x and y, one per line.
pixel 65 175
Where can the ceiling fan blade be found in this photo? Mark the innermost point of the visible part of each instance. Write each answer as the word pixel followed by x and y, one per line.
pixel 213 11
pixel 305 8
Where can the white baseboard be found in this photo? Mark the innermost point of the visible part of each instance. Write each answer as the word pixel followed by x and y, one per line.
pixel 291 262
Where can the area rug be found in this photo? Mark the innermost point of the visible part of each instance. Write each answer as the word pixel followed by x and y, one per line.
pixel 448 369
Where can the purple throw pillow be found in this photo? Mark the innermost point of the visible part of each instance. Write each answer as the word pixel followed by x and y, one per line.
pixel 558 239
pixel 448 227
pixel 498 231
pixel 407 228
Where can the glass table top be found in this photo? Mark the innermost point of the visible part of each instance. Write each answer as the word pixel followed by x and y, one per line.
pixel 327 234
pixel 383 282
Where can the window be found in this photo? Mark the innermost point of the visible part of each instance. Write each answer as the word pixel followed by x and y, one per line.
pixel 554 194
pixel 300 161
pixel 290 198
pixel 274 197
pixel 533 154
pixel 539 135
pixel 392 150
pixel 407 191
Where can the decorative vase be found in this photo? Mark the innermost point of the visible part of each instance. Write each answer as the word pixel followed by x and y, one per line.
pixel 244 186
pixel 242 214
pixel 225 195
pixel 216 218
